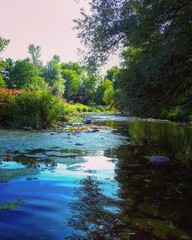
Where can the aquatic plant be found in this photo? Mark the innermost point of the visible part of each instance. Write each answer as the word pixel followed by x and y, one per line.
pixel 11 205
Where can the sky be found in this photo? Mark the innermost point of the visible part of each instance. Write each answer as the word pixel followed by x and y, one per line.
pixel 47 23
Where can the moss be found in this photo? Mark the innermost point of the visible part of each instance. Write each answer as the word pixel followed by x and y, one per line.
pixel 10 205
pixel 10 174
pixel 160 229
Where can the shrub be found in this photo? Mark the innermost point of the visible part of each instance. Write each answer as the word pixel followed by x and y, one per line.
pixel 37 109
pixel 31 108
pixel 7 98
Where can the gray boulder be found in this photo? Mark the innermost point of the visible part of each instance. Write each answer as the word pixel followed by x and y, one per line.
pixel 159 160
pixel 87 121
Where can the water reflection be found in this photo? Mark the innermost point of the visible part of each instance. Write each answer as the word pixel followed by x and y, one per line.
pixel 105 188
pixel 95 214
pixel 153 202
pixel 156 199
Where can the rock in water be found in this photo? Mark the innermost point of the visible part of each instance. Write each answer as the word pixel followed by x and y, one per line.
pixel 87 121
pixel 159 160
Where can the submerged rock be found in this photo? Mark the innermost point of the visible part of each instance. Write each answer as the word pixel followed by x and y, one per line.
pixel 27 128
pixel 159 160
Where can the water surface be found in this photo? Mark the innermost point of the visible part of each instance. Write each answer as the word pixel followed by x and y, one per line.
pixel 97 185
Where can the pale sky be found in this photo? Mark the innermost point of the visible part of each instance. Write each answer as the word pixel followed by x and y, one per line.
pixel 47 23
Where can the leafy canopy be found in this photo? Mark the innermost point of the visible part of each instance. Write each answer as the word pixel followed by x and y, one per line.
pixel 156 37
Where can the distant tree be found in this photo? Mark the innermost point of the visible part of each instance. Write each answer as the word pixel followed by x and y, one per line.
pixel 102 86
pixel 8 67
pixel 112 74
pixel 88 87
pixel 73 66
pixel 108 96
pixel 52 73
pixel 80 83
pixel 72 72
pixel 24 74
pixel 56 58
pixel 72 84
pixel 2 74
pixel 3 43
pixel 35 52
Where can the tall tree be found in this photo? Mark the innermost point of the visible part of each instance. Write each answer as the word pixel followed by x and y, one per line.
pixel 158 60
pixel 53 75
pixel 35 52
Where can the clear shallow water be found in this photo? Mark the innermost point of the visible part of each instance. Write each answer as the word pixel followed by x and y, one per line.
pixel 98 185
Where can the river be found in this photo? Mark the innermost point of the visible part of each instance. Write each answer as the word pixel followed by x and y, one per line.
pixel 97 184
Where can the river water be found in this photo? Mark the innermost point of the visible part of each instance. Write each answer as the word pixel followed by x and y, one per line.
pixel 87 184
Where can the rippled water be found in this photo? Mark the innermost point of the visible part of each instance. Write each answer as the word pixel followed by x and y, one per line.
pixel 97 185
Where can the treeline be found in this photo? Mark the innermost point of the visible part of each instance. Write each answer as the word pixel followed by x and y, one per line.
pixel 33 95
pixel 154 37
pixel 70 81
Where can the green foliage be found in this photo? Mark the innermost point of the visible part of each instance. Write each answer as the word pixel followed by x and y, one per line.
pixel 88 88
pixel 31 108
pixel 53 76
pixel 37 109
pixel 80 83
pixel 101 88
pixel 109 95
pixel 23 74
pixel 72 84
pixel 157 60
pixel 75 108
pixel 2 81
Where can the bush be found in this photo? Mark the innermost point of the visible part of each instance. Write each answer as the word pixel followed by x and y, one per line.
pixel 7 98
pixel 31 108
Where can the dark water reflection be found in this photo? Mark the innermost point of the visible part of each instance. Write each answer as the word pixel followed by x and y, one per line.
pixel 154 202
pixel 105 188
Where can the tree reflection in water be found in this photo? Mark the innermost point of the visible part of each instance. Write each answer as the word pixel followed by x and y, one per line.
pixel 94 213
pixel 153 201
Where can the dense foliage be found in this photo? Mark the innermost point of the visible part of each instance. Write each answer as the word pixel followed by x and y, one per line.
pixel 70 81
pixel 156 38
pixel 37 96
pixel 30 108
